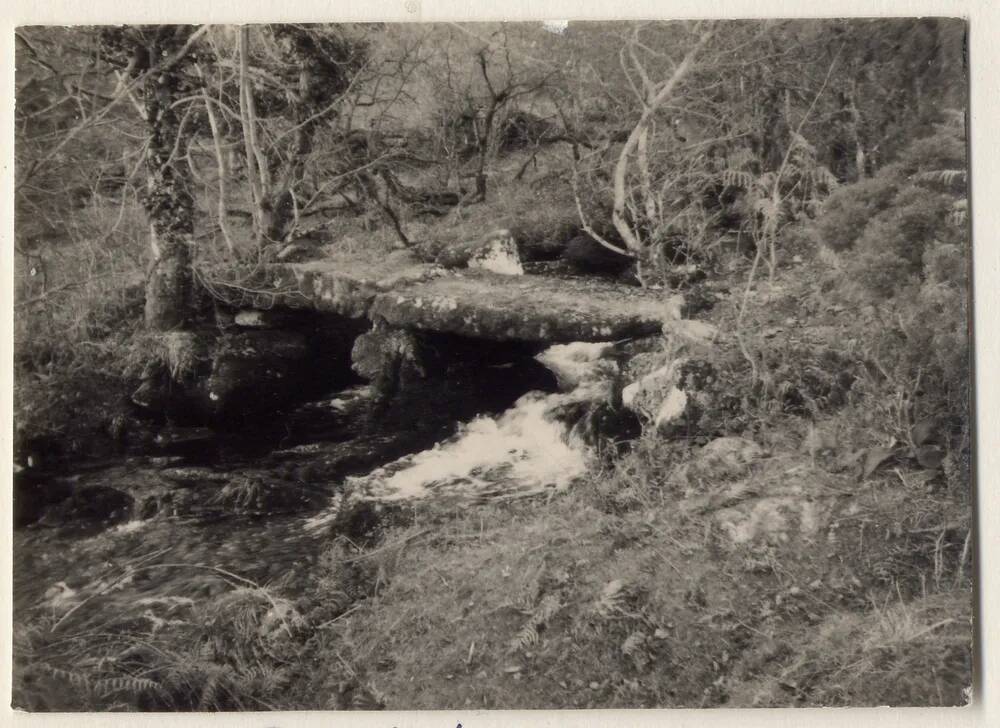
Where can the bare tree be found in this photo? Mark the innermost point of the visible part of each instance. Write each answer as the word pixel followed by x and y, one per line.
pixel 168 198
pixel 632 163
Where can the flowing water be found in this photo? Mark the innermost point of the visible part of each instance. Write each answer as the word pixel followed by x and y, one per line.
pixel 261 505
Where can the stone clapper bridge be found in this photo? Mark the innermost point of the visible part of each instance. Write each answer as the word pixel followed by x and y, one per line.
pixel 402 292
pixel 442 344
pixel 447 339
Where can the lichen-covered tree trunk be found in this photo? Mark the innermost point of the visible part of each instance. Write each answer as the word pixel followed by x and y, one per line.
pixel 171 213
pixel 168 200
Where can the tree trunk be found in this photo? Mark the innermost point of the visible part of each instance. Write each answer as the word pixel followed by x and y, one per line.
pixel 168 200
pixel 168 287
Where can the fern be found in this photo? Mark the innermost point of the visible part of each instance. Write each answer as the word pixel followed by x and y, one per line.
pixel 124 683
pixel 526 637
pixel 612 600
pixel 208 700
pixel 741 157
pixel 547 608
pixel 76 679
pixel 947 177
pixel 738 178
pixel 367 697
pixel 820 176
pixel 634 647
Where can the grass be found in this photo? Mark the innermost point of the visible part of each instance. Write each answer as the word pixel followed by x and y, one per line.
pixel 581 603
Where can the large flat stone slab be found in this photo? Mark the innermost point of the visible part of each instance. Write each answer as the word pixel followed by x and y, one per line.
pixel 475 303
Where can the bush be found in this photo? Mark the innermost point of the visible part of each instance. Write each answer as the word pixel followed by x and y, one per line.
pixel 847 211
pixel 906 279
pixel 893 242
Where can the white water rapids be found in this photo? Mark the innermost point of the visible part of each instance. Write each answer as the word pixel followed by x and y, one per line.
pixel 524 451
pixel 521 452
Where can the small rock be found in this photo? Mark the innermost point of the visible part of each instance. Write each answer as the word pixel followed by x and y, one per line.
pixel 671 408
pixel 724 458
pixel 190 477
pixel 165 461
pixel 252 318
pixel 172 438
pixel 695 332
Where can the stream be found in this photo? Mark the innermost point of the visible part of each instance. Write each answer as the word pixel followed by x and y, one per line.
pixel 261 503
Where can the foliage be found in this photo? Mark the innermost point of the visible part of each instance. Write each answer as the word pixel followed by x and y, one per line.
pixel 847 211
pixel 906 270
pixel 164 652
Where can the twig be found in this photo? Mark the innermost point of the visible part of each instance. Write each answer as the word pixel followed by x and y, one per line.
pixel 122 94
pixel 340 616
pixel 964 557
pixel 221 165
pixel 393 544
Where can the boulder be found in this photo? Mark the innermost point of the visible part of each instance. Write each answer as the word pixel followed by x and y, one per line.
pixel 473 303
pixel 496 251
pixel 204 376
pixel 586 255
pixel 91 505
pixel 34 493
pixel 170 380
pixel 153 393
pixel 604 427
pixel 725 458
pixel 544 239
pixel 646 395
pixel 498 256
pixel 484 305
pixel 254 371
pixel 252 318
pixel 675 397
pixel 388 357
pixel 673 385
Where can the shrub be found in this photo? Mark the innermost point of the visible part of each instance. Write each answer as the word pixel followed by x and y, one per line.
pixel 905 280
pixel 917 217
pixel 847 211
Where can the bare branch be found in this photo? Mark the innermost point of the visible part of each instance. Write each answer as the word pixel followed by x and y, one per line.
pixel 119 96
